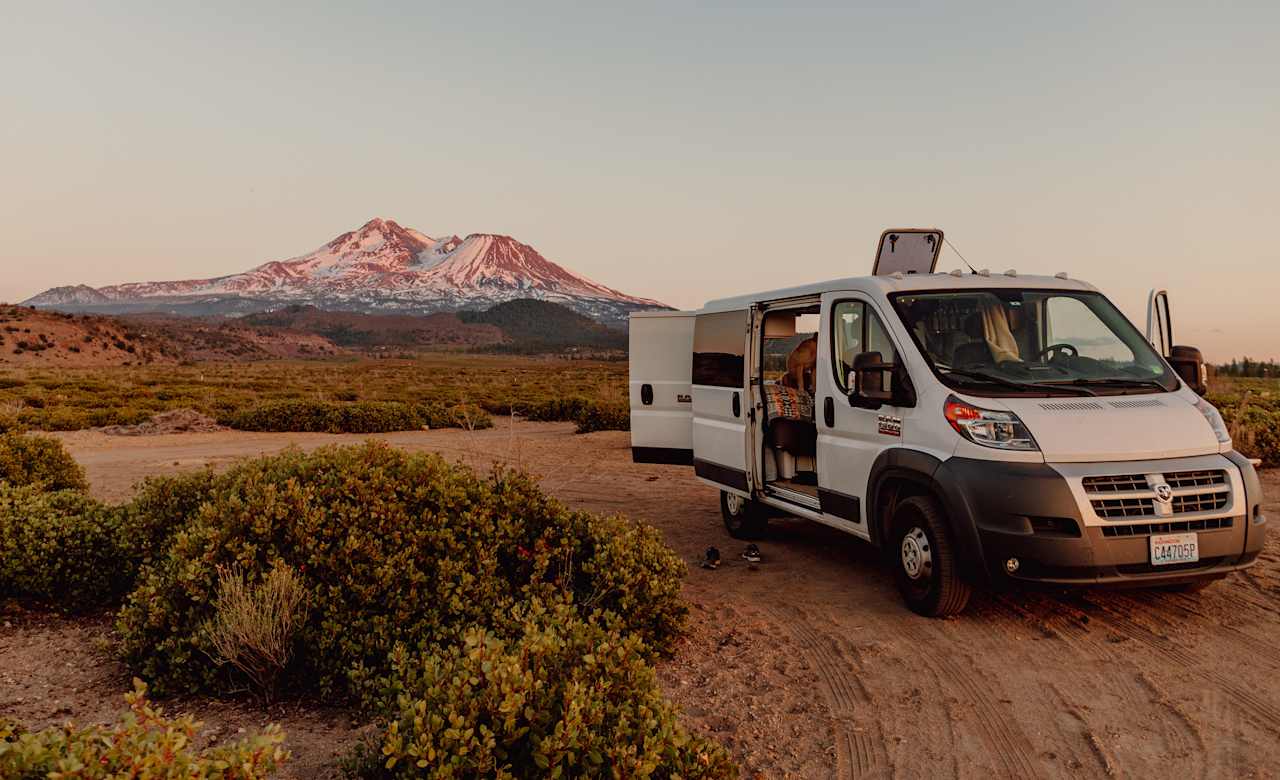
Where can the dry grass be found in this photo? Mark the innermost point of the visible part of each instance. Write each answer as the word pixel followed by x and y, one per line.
pixel 254 626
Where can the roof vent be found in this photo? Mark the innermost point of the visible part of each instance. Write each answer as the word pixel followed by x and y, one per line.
pixel 1060 275
pixel 985 272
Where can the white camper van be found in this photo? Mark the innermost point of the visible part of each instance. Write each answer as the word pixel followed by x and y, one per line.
pixel 979 427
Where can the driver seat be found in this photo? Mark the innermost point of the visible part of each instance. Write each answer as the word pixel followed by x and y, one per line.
pixel 974 353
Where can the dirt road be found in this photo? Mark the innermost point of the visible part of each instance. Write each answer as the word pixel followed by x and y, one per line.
pixel 809 666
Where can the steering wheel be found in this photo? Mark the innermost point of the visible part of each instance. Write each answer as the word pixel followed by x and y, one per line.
pixel 1054 350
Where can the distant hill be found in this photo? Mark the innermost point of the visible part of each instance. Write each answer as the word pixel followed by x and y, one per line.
pixel 34 338
pixel 540 326
pixel 356 330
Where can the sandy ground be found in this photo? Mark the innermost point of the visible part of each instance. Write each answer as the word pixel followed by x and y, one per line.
pixel 808 665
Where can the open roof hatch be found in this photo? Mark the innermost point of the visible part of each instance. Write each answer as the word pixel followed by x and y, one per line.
pixel 908 251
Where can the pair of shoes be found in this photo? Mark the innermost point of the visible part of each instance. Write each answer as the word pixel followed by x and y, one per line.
pixel 752 554
pixel 711 560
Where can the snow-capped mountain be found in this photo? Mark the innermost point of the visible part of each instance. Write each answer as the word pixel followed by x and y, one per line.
pixel 380 267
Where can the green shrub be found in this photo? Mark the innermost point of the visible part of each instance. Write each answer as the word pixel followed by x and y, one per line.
pixel 28 459
pixel 1254 428
pixel 394 548
pixel 143 744
pixel 565 409
pixel 563 698
pixel 600 416
pixel 359 417
pixel 63 547
pixel 68 549
pixel 162 507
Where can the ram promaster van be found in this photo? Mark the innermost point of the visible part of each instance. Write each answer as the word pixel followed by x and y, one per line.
pixel 980 428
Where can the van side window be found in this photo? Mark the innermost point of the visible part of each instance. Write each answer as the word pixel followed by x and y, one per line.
pixel 719 349
pixel 855 328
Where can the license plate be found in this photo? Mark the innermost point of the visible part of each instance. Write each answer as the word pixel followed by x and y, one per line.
pixel 1174 548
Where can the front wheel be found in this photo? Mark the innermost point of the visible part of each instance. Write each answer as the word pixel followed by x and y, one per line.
pixel 743 518
pixel 925 565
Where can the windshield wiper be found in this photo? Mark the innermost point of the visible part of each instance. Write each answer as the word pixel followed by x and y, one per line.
pixel 1112 382
pixel 1032 386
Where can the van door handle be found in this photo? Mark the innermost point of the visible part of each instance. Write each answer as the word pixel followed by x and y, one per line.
pixel 737 405
pixel 646 394
pixel 829 412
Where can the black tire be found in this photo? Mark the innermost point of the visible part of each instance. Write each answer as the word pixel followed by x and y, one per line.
pixel 743 518
pixel 932 587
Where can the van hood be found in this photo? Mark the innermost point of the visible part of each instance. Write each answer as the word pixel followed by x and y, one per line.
pixel 1115 427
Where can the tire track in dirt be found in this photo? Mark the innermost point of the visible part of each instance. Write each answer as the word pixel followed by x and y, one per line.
pixel 1005 739
pixel 1062 622
pixel 860 749
pixel 1263 652
pixel 1266 713
pixel 1181 732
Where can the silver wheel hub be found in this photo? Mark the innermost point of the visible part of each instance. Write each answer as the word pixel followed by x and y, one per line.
pixel 735 503
pixel 917 555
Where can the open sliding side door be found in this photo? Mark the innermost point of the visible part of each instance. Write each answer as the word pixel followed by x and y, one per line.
pixel 721 407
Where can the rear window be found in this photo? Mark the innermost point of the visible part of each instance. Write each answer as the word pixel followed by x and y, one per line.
pixel 719 344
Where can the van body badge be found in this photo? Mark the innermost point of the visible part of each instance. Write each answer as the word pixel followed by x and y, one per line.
pixel 890 425
pixel 684 398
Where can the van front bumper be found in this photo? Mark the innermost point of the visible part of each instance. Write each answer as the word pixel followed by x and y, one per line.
pixel 1028 513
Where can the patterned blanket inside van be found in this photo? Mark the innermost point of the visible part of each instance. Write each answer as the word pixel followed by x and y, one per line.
pixel 787 402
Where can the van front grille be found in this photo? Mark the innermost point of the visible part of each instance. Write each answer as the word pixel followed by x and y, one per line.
pixel 1135 496
pixel 1199 502
pixel 1177 526
pixel 1115 484
pixel 1124 507
pixel 1181 479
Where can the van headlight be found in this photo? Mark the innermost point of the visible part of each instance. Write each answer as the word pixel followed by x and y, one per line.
pixel 988 427
pixel 1214 418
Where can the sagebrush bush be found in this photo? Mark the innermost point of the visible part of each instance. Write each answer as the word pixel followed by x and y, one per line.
pixel 143 744
pixel 563 697
pixel 565 409
pixel 63 547
pixel 254 625
pixel 1254 428
pixel 30 459
pixel 601 416
pixel 313 416
pixel 394 548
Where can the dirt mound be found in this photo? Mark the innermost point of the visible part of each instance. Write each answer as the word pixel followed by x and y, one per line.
pixel 173 421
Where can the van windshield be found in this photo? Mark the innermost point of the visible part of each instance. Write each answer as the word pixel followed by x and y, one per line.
pixel 1013 342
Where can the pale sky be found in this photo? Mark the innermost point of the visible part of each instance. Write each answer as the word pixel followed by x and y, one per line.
pixel 680 151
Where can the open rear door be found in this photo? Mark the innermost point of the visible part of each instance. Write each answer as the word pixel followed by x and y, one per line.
pixel 661 360
pixel 908 251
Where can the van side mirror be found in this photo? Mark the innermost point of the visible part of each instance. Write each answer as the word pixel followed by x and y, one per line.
pixel 1188 363
pixel 869 382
